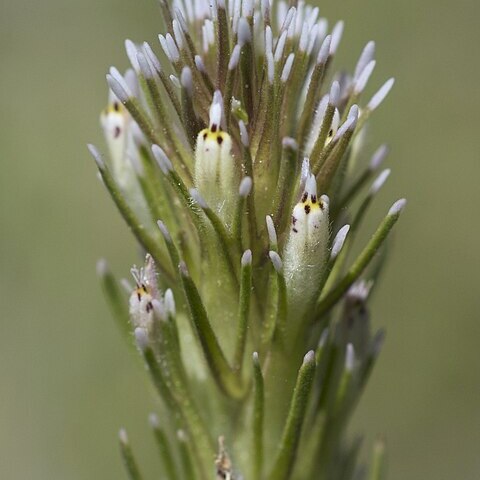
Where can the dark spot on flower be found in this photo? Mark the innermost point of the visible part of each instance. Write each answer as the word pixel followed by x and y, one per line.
pixel 307 209
pixel 116 132
pixel 314 199
pixel 294 220
pixel 295 230
pixel 149 307
pixel 304 198
pixel 219 140
pixel 205 135
pixel 139 296
pixel 116 106
pixel 214 128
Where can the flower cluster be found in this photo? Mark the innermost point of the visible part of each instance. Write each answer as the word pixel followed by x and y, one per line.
pixel 237 162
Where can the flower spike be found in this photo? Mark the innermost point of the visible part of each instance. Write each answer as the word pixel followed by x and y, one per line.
pixel 236 158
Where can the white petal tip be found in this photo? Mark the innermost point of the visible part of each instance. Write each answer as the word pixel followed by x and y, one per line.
pixel 164 230
pixel 324 51
pixel 244 134
pixel 380 181
pixel 163 161
pixel 289 142
pixel 102 267
pixel 380 96
pixel 186 80
pixel 96 156
pixel 169 301
pixel 246 258
pixel 309 357
pixel 364 76
pixel 334 97
pixel 337 33
pixel 349 358
pixel 182 436
pixel 199 64
pixel 195 194
pixel 118 87
pixel 378 157
pixel 287 69
pixel 323 338
pixel 272 232
pixel 339 241
pixel 244 34
pixel 144 66
pixel 245 187
pixel 122 436
pixel 153 420
pixel 234 58
pixel 276 261
pixel 397 207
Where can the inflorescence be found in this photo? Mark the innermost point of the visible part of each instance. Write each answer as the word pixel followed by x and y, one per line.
pixel 237 161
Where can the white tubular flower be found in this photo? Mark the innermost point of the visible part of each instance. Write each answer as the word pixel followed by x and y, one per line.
pixel 143 295
pixel 216 177
pixel 122 136
pixel 306 249
pixel 116 121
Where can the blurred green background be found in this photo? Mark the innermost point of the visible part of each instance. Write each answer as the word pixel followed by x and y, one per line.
pixel 67 382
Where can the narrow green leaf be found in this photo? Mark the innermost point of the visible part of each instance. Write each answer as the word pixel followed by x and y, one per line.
pixel 286 185
pixel 319 146
pixel 225 377
pixel 164 449
pixel 332 162
pixel 287 453
pixel 258 416
pixel 282 307
pixel 310 102
pixel 332 297
pixel 378 469
pixel 172 363
pixel 116 298
pixel 172 249
pixel 128 457
pixel 162 117
pixel 243 310
pixel 186 457
pixel 229 247
pixel 223 46
pixel 138 229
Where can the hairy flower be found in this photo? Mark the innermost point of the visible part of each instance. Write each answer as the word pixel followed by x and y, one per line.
pixel 246 120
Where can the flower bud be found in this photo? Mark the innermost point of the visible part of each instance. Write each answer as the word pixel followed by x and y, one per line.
pixel 306 249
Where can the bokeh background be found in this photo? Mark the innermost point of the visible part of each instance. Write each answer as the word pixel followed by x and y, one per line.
pixel 67 382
